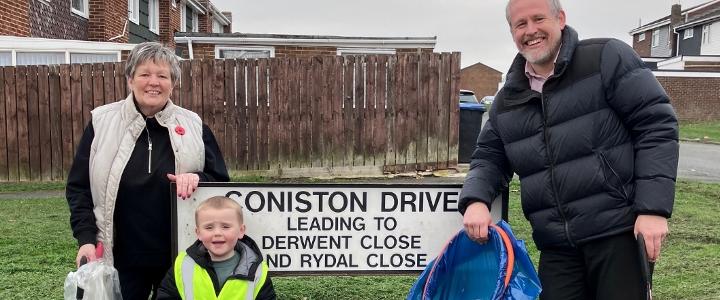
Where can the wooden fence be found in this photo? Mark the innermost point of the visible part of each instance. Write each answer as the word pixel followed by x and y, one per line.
pixel 278 116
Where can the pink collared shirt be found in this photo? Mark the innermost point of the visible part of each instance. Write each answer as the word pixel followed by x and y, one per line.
pixel 536 80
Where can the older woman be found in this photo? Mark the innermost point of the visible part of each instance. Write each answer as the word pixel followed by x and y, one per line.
pixel 132 149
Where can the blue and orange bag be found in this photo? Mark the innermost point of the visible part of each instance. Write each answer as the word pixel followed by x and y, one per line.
pixel 465 269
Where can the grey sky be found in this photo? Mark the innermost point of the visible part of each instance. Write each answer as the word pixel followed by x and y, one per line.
pixel 477 28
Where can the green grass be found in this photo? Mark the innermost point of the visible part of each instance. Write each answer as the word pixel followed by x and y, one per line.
pixel 12 187
pixel 707 132
pixel 37 251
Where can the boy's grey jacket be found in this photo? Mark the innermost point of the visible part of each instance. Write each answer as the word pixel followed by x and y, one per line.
pixel 598 147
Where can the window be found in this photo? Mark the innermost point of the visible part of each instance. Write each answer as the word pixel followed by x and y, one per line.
pixel 688 33
pixel 153 15
pixel 5 58
pixel 656 38
pixel 706 34
pixel 183 18
pixel 217 27
pixel 195 27
pixel 641 37
pixel 86 58
pixel 79 7
pixel 40 58
pixel 244 52
pixel 133 10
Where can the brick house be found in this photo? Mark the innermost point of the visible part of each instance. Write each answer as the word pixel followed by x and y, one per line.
pixel 34 32
pixel 684 40
pixel 683 50
pixel 192 45
pixel 481 79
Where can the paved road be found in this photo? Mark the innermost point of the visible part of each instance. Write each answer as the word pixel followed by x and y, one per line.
pixel 699 162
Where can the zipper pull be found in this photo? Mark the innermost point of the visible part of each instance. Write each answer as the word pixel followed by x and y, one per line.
pixel 149 156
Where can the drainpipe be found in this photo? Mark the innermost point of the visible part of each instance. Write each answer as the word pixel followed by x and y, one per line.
pixel 190 49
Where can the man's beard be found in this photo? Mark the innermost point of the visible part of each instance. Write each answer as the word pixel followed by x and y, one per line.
pixel 542 57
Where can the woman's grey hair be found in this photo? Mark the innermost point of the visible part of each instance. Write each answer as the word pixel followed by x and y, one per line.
pixel 155 52
pixel 555 8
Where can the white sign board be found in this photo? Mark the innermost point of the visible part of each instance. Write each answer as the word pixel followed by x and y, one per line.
pixel 342 228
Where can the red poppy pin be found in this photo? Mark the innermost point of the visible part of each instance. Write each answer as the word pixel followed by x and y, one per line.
pixel 179 130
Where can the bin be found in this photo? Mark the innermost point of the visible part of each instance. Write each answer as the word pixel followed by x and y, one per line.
pixel 471 115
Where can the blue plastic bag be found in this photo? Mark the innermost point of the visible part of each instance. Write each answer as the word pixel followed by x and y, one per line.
pixel 498 269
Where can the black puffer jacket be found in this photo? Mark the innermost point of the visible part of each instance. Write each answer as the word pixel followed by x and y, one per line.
pixel 595 149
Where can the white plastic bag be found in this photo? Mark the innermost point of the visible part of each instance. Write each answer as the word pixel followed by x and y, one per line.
pixel 98 280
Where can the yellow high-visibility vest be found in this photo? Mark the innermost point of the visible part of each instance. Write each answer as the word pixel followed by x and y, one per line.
pixel 194 283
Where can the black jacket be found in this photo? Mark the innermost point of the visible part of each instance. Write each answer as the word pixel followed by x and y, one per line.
pixel 143 206
pixel 168 287
pixel 596 148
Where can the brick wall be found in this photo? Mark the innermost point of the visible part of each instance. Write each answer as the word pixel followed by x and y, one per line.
pixel 107 20
pixel 643 47
pixel 205 21
pixel 694 99
pixel 169 22
pixel 51 21
pixel 480 79
pixel 14 18
pixel 295 51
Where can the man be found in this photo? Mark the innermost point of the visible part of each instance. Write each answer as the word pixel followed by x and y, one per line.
pixel 593 138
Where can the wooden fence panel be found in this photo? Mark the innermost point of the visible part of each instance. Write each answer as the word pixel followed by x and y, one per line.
pixel 3 129
pixel 76 109
pixel 44 125
pixel 454 99
pixel 444 121
pixel 197 88
pixel 398 112
pixel 241 113
pixel 262 111
pixel 55 123
pixel 218 103
pixel 87 92
pixel 422 113
pixel 381 99
pixel 33 116
pixel 359 109
pixel 231 121
pixel 66 115
pixel 434 134
pixel 392 75
pixel 252 115
pixel 109 82
pixel 22 123
pixel 120 82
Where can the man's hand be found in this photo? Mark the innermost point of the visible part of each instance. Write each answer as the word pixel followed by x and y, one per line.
pixel 654 230
pixel 186 183
pixel 476 221
pixel 87 250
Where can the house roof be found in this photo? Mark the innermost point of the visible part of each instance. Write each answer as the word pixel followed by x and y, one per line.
pixel 709 15
pixel 480 65
pixel 305 40
pixel 666 20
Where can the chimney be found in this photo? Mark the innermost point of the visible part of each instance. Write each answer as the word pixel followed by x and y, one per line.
pixel 228 27
pixel 675 15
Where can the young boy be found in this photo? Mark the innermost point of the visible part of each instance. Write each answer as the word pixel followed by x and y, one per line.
pixel 223 263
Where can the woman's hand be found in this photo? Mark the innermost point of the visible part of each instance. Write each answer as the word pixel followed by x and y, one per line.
pixel 186 183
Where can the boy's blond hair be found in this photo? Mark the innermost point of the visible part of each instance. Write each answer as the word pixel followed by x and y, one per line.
pixel 220 202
